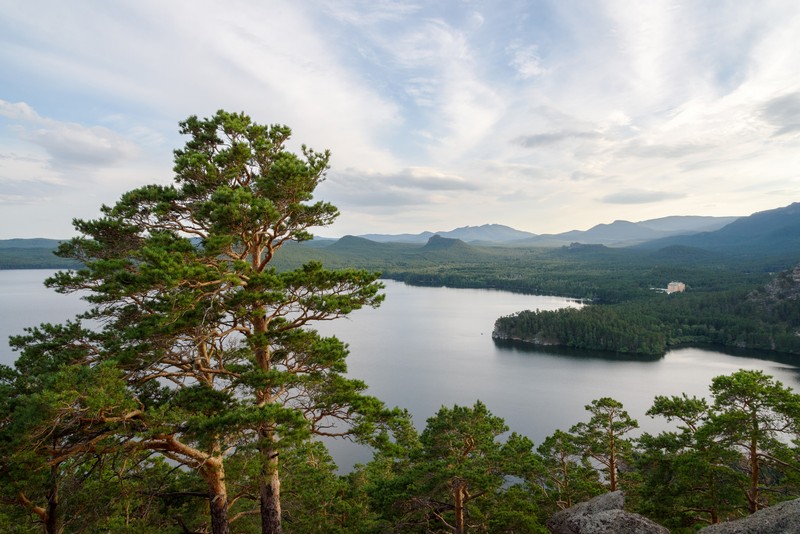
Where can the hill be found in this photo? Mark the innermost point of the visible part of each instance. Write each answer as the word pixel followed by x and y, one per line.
pixel 687 224
pixel 625 233
pixel 490 233
pixel 767 234
pixel 34 243
pixel 37 253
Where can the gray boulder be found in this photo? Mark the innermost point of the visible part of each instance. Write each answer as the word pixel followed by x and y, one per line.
pixel 602 515
pixel 779 519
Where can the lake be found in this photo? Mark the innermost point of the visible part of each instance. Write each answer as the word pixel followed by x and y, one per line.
pixel 426 347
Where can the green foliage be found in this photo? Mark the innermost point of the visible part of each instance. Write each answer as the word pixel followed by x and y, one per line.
pixel 688 478
pixel 203 352
pixel 731 457
pixel 756 415
pixel 743 318
pixel 565 475
pixel 593 327
pixel 458 476
pixel 602 440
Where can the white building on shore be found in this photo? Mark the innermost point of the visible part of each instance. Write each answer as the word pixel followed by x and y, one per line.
pixel 676 287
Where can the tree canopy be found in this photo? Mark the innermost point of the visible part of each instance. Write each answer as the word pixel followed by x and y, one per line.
pixel 212 350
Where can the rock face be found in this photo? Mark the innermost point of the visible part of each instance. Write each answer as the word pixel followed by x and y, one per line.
pixel 602 515
pixel 781 518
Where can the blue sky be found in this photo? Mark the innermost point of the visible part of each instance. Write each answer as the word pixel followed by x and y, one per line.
pixel 546 116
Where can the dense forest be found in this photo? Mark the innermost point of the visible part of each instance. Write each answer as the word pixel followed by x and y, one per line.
pixel 765 318
pixel 192 395
pixel 465 471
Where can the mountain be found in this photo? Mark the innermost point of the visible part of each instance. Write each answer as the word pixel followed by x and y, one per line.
pixel 36 242
pixel 37 253
pixel 359 247
pixel 773 232
pixel 626 233
pixel 687 224
pixel 450 245
pixel 398 238
pixel 489 233
pixel 611 234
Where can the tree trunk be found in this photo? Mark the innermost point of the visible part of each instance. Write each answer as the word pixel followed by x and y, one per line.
pixel 217 499
pixel 612 468
pixel 270 493
pixel 51 518
pixel 612 457
pixel 219 513
pixel 752 494
pixel 458 500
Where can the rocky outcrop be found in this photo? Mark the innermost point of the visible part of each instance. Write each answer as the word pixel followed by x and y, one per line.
pixel 783 286
pixel 602 515
pixel 781 518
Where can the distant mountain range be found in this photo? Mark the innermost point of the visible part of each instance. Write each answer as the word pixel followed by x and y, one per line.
pixel 761 233
pixel 767 233
pixel 618 233
pixel 488 233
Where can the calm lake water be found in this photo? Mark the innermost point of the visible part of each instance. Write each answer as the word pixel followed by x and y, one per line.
pixel 428 347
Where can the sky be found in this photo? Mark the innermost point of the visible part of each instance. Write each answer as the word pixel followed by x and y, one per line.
pixel 542 115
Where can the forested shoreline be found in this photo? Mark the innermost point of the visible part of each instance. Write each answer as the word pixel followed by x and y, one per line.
pixel 764 318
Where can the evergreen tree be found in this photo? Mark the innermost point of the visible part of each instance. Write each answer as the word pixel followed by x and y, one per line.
pixel 212 345
pixel 602 438
pixel 688 478
pixel 758 417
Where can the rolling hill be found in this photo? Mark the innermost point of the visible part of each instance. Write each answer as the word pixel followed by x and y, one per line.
pixel 771 233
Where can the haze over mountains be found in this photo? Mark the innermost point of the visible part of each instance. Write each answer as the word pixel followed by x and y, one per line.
pixel 768 233
pixel 618 233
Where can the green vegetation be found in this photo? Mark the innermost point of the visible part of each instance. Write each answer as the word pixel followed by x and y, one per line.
pixel 203 355
pixel 194 401
pixel 32 254
pixel 765 317
pixel 463 473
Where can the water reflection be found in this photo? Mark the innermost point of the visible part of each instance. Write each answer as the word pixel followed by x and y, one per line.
pixel 569 352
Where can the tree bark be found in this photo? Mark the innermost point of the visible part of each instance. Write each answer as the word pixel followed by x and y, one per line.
pixel 270 493
pixel 752 494
pixel 612 457
pixel 217 499
pixel 219 513
pixel 458 500
pixel 51 518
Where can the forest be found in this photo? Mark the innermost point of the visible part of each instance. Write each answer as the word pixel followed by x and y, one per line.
pixel 752 319
pixel 192 395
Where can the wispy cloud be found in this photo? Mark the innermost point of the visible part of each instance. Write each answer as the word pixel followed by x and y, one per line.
pixel 541 116
pixel 640 197
pixel 525 60
pixel 675 151
pixel 550 138
pixel 68 143
pixel 783 112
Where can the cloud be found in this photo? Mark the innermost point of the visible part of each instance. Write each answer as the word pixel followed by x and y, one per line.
pixel 675 151
pixel 430 180
pixel 69 143
pixel 28 179
pixel 28 192
pixel 783 112
pixel 416 186
pixel 640 197
pixel 525 60
pixel 437 111
pixel 74 144
pixel 368 13
pixel 18 111
pixel 551 138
